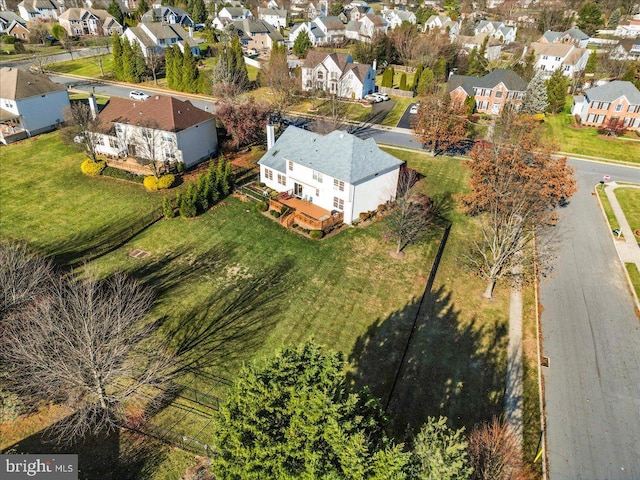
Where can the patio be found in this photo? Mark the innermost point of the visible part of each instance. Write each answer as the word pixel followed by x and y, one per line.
pixel 304 213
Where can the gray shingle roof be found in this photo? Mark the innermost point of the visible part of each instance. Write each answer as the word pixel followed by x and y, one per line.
pixel 339 155
pixel 612 91
pixel 509 78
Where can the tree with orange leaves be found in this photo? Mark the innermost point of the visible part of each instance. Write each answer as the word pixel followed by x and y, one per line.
pixel 439 123
pixel 515 185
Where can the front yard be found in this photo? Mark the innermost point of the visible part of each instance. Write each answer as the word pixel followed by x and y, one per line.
pixel 234 286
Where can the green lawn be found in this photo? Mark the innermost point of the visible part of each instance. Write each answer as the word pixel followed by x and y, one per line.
pixel 233 285
pixel 634 275
pixel 86 66
pixel 393 117
pixel 47 201
pixel 585 141
pixel 7 51
pixel 611 217
pixel 629 199
pixel 101 100
pixel 396 79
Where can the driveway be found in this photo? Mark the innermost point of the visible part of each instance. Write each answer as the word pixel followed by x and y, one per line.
pixel 407 118
pixel 591 335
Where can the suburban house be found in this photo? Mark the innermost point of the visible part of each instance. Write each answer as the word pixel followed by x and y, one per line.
pixel 628 28
pixel 444 24
pixel 229 14
pixel 155 37
pixel 29 104
pixel 273 16
pixel 87 21
pixel 321 31
pixel 356 12
pixel 18 30
pixel 615 99
pixel 364 29
pixel 167 14
pixel 323 178
pixel 491 92
pixel 627 49
pixel 565 56
pixel 493 47
pixel 573 35
pixel 497 30
pixel 396 17
pixel 34 10
pixel 257 34
pixel 336 74
pixel 161 129
pixel 7 18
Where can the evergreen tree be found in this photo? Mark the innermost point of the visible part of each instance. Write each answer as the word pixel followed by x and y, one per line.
pixel 427 82
pixel 198 11
pixel 403 81
pixel 557 86
pixel 416 77
pixel 203 193
pixel 292 417
pixel 212 183
pixel 470 104
pixel 143 7
pixel 128 62
pixel 117 57
pixel 229 178
pixel 188 202
pixel 535 98
pixel 387 77
pixel 302 44
pixel 614 18
pixel 139 65
pixel 189 82
pixel 170 69
pixel 526 68
pixel 592 62
pixel 477 63
pixel 590 18
pixel 222 186
pixel 116 12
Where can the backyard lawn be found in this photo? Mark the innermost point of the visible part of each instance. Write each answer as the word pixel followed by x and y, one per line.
pixel 233 286
pixel 86 66
pixel 585 141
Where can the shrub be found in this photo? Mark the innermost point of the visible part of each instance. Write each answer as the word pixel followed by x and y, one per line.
pixel 122 175
pixel 167 208
pixel 316 234
pixel 187 207
pixel 180 167
pixel 91 168
pixel 166 181
pixel 275 213
pixel 262 184
pixel 262 206
pixel 283 209
pixel 151 183
pixel 539 117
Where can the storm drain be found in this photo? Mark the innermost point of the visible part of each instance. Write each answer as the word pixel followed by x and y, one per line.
pixel 137 253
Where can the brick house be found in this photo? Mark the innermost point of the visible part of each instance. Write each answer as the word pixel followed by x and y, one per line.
pixel 491 92
pixel 615 99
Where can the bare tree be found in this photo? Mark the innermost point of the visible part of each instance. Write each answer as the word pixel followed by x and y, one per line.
pixel 84 126
pixel 98 60
pixel 151 148
pixel 86 345
pixel 277 76
pixel 40 62
pixel 411 213
pixel 38 32
pixel 24 276
pixel 155 63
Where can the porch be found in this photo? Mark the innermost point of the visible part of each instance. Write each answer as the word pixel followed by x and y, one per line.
pixel 304 213
pixel 11 128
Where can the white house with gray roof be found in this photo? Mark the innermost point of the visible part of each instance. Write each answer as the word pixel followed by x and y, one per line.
pixel 573 35
pixel 337 172
pixel 155 37
pixel 337 74
pixel 497 30
pixel 617 99
pixel 321 31
pixel 396 17
pixel 274 16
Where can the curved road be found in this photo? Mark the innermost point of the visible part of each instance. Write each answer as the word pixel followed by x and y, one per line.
pixel 592 337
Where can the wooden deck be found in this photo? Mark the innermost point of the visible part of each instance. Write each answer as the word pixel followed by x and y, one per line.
pixel 304 213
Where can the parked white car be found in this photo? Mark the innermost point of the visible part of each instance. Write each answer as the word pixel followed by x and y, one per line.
pixel 138 95
pixel 414 108
pixel 382 96
pixel 372 97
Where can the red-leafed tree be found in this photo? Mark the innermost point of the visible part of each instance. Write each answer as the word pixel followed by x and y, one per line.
pixel 245 122
pixel 613 127
pixel 440 124
pixel 516 183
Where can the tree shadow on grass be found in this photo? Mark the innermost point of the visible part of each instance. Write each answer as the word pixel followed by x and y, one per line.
pixel 117 455
pixel 451 368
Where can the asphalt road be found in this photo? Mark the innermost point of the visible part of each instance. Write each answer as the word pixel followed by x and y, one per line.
pixel 57 57
pixel 592 338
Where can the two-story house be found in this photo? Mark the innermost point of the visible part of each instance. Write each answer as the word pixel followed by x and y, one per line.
pixel 155 37
pixel 161 129
pixel 273 16
pixel 493 47
pixel 88 21
pixel 444 24
pixel 564 56
pixel 321 31
pixel 257 34
pixel 497 30
pixel 364 29
pixel 617 99
pixel 7 18
pixel 30 104
pixel 573 35
pixel 168 14
pixel 338 173
pixel 336 74
pixel 230 14
pixel 491 92
pixel 356 12
pixel 38 10
pixel 396 17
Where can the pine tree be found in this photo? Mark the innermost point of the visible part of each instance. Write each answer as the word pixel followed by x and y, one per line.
pixel 416 77
pixel 188 203
pixel 557 86
pixel 198 11
pixel 222 186
pixel 590 18
pixel 535 98
pixel 426 82
pixel 117 57
pixel 116 12
pixel 203 193
pixel 169 57
pixel 128 62
pixel 614 18
pixel 212 183
pixel 387 77
pixel 229 178
pixel 592 62
pixel 526 68
pixel 189 82
pixel 403 81
pixel 302 44
pixel 139 65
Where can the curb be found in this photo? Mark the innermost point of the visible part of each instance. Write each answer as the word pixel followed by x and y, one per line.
pixel 543 416
pixel 609 161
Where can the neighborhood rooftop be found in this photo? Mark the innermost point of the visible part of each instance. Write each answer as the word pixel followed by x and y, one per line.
pixel 614 90
pixel 17 83
pixel 509 78
pixel 339 154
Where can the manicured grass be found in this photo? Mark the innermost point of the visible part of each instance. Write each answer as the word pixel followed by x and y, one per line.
pixel 86 66
pixel 585 141
pixel 31 50
pixel 629 199
pixel 393 117
pixel 634 275
pixel 396 79
pixel 611 217
pixel 101 100
pixel 48 202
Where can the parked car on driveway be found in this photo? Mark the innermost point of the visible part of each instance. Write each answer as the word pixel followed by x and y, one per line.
pixel 138 95
pixel 382 96
pixel 373 98
pixel 414 108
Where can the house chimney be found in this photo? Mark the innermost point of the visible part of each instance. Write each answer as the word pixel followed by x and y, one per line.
pixel 190 31
pixel 93 105
pixel 271 136
pixel 375 65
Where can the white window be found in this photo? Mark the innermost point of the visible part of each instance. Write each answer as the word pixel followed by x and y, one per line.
pixel 167 138
pixel 338 185
pixel 338 203
pixel 619 107
pixel 290 165
pixel 282 179
pixel 113 143
pixel 317 176
pixel 591 117
pixel 268 173
pixel 600 119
